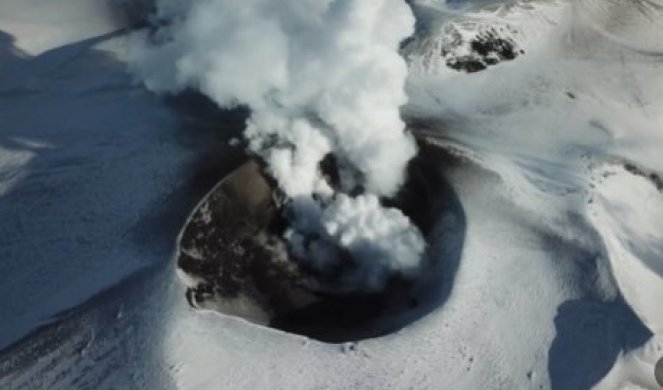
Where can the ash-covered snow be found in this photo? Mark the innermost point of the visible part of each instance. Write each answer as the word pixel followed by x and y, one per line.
pixel 93 169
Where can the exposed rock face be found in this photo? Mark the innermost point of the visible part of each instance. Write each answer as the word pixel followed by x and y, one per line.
pixel 489 46
pixel 233 259
pixel 465 44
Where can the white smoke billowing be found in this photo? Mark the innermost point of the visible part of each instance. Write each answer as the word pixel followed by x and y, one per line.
pixel 384 237
pixel 320 76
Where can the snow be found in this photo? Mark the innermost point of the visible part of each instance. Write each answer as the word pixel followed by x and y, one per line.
pixel 633 369
pixel 452 347
pixel 558 125
pixel 85 157
pixel 560 274
pixel 633 237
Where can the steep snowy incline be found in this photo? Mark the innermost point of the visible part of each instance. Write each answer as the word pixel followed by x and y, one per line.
pixel 91 165
pixel 573 127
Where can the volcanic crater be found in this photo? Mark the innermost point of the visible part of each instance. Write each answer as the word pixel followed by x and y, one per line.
pixel 233 258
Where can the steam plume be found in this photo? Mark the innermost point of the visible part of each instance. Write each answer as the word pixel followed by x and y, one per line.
pixel 321 77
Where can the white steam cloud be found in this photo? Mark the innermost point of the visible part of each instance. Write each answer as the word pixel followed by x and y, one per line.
pixel 320 76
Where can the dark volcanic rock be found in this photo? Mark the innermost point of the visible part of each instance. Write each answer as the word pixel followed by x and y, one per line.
pixel 233 258
pixel 489 46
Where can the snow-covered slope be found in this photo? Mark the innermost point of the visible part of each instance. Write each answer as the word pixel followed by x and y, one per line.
pixel 90 164
pixel 573 127
pixel 557 159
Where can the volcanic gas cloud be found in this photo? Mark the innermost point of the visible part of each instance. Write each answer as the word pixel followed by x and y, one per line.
pixel 321 77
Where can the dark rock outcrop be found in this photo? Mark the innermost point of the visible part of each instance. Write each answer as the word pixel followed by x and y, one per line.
pixel 488 47
pixel 232 255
